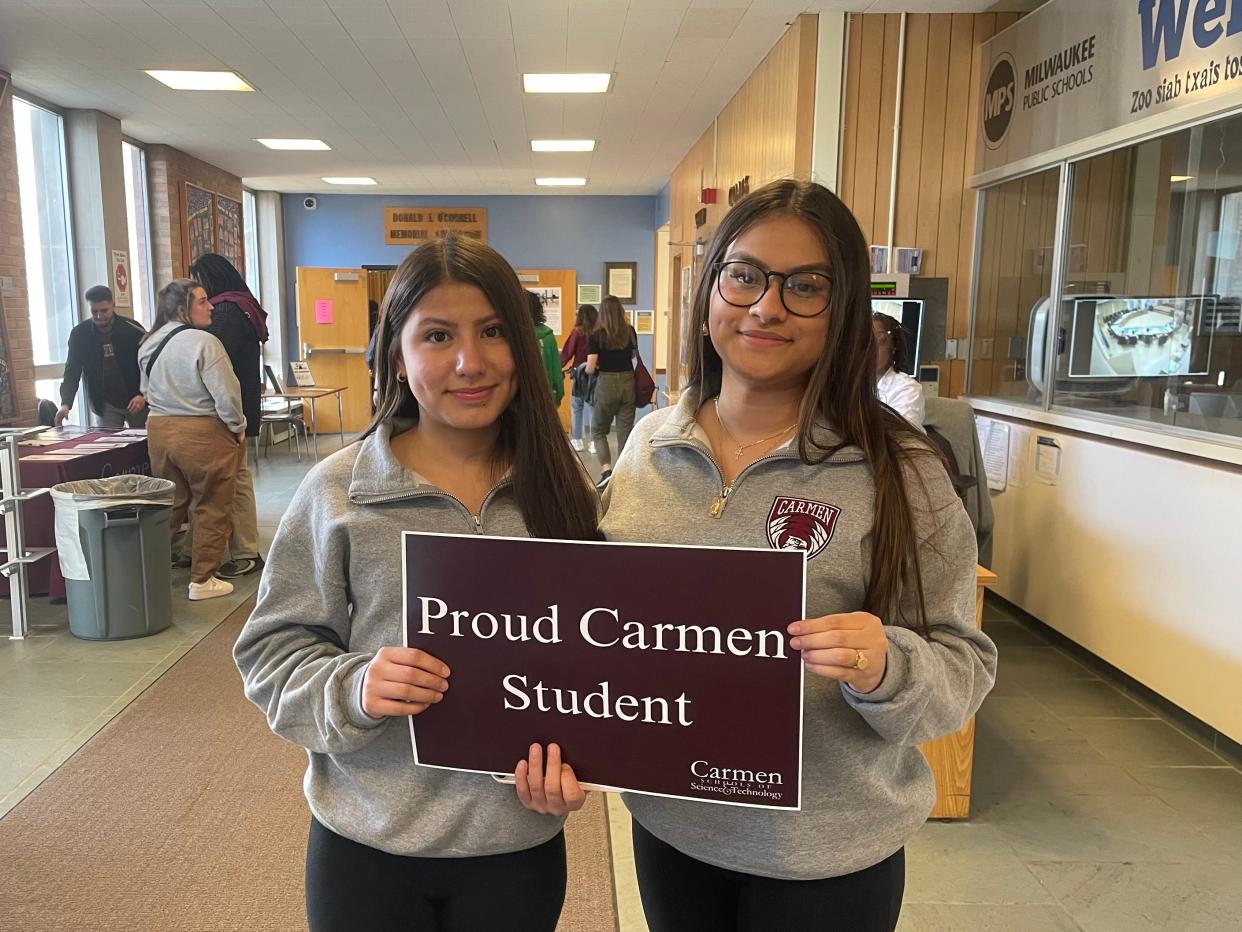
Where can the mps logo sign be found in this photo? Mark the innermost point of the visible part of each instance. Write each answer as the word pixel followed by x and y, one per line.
pixel 999 99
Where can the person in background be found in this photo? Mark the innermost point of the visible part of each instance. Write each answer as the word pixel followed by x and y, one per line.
pixel 573 355
pixel 547 348
pixel 778 441
pixel 240 324
pixel 893 386
pixel 197 429
pixel 106 349
pixel 460 444
pixel 610 352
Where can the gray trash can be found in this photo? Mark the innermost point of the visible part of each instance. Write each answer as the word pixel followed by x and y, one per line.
pixel 114 541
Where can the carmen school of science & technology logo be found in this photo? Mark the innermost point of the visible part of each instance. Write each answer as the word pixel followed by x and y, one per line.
pixel 801 524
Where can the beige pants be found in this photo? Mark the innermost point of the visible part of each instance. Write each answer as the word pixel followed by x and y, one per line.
pixel 200 457
pixel 245 540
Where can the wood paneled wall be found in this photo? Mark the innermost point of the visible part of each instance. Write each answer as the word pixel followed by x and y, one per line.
pixel 935 206
pixel 764 132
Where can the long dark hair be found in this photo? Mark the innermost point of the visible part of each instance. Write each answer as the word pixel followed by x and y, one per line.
pixel 900 338
pixel 841 388
pixel 552 490
pixel 217 275
pixel 586 318
pixel 614 332
pixel 172 305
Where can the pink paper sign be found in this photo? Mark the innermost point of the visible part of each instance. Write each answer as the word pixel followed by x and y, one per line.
pixel 323 312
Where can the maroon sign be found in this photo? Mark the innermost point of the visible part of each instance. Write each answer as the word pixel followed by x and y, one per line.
pixel 662 670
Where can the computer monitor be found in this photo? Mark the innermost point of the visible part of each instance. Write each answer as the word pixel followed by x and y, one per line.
pixel 1137 337
pixel 909 311
pixel 272 380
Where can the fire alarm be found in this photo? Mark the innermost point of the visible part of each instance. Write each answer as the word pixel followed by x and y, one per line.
pixel 707 196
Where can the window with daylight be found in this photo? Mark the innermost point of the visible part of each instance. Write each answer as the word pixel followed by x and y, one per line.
pixel 138 219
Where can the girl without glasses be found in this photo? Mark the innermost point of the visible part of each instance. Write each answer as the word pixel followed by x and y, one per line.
pixel 610 352
pixel 465 440
pixel 779 441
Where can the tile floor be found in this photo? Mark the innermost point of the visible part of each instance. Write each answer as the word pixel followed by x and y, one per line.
pixel 1091 811
pixel 56 691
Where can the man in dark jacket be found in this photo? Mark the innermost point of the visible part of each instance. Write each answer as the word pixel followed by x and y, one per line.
pixel 105 348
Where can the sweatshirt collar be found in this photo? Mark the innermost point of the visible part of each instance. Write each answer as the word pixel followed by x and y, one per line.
pixel 682 426
pixel 378 473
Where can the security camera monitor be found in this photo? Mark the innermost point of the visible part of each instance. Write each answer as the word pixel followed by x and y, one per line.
pixel 1137 337
pixel 910 313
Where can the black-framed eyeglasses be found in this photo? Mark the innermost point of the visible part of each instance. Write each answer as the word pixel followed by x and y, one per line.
pixel 743 284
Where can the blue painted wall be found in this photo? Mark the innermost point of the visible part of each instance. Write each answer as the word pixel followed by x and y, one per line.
pixel 662 206
pixel 538 232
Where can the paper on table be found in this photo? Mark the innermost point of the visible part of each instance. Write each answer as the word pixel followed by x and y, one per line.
pixel 51 457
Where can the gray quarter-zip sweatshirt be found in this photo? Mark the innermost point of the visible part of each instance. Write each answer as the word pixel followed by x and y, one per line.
pixel 192 377
pixel 866 787
pixel 329 599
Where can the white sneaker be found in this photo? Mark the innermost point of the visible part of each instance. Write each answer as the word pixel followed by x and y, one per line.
pixel 211 589
pixel 591 448
pixel 576 444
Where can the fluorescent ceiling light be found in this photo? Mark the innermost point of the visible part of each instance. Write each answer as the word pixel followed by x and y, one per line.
pixel 350 180
pixel 201 80
pixel 566 83
pixel 560 182
pixel 1176 178
pixel 563 145
pixel 298 144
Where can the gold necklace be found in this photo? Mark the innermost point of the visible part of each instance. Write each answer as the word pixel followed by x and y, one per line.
pixel 740 448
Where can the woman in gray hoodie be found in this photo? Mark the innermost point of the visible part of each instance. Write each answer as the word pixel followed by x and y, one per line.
pixel 779 441
pixel 465 440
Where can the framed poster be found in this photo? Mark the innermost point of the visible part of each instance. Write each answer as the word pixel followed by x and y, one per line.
pixel 229 232
pixel 120 279
pixel 198 223
pixel 621 280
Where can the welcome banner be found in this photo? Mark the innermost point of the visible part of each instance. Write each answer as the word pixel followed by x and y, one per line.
pixel 657 669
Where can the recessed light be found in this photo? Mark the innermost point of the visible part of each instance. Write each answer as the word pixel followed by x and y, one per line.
pixel 1176 178
pixel 562 145
pixel 566 83
pixel 350 180
pixel 201 80
pixel 295 144
pixel 560 182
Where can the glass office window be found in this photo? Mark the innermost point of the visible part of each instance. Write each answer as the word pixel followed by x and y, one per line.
pixel 41 181
pixel 1013 282
pixel 1149 322
pixel 138 219
pixel 250 236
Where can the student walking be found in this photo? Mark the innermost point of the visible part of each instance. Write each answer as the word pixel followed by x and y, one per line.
pixel 779 441
pixel 573 355
pixel 611 350
pixel 459 444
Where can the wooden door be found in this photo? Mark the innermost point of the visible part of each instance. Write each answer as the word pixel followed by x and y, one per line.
pixel 567 281
pixel 334 341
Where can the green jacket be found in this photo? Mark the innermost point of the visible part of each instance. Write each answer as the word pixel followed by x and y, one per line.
pixel 551 361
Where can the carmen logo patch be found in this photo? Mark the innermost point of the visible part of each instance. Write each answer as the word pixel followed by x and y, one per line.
pixel 801 524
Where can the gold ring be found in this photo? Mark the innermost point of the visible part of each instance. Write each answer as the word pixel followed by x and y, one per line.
pixel 860 662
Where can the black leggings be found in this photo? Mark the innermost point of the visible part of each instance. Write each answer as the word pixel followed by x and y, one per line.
pixel 682 894
pixel 350 886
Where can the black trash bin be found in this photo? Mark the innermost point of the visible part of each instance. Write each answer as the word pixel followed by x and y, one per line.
pixel 118 581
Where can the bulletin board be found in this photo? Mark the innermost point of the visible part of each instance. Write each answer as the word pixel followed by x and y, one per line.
pixel 229 232
pixel 211 222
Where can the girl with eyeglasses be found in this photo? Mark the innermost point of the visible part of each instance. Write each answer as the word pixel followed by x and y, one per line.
pixel 779 441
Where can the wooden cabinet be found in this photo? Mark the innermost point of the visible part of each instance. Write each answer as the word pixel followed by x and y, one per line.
pixel 952 757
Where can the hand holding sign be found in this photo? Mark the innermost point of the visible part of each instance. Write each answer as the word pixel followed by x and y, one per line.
pixel 555 791
pixel 402 681
pixel 851 647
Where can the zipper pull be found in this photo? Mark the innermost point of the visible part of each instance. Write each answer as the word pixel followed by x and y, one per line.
pixel 718 505
pixel 478 524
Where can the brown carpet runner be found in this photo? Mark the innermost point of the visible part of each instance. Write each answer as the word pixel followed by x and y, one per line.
pixel 185 814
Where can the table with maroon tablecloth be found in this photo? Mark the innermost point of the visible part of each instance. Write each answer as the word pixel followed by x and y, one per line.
pixel 38 514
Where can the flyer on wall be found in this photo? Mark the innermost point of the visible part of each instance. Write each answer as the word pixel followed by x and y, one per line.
pixel 691 692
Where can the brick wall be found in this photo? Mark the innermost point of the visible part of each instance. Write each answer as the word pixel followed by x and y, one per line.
pixel 167 170
pixel 13 265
